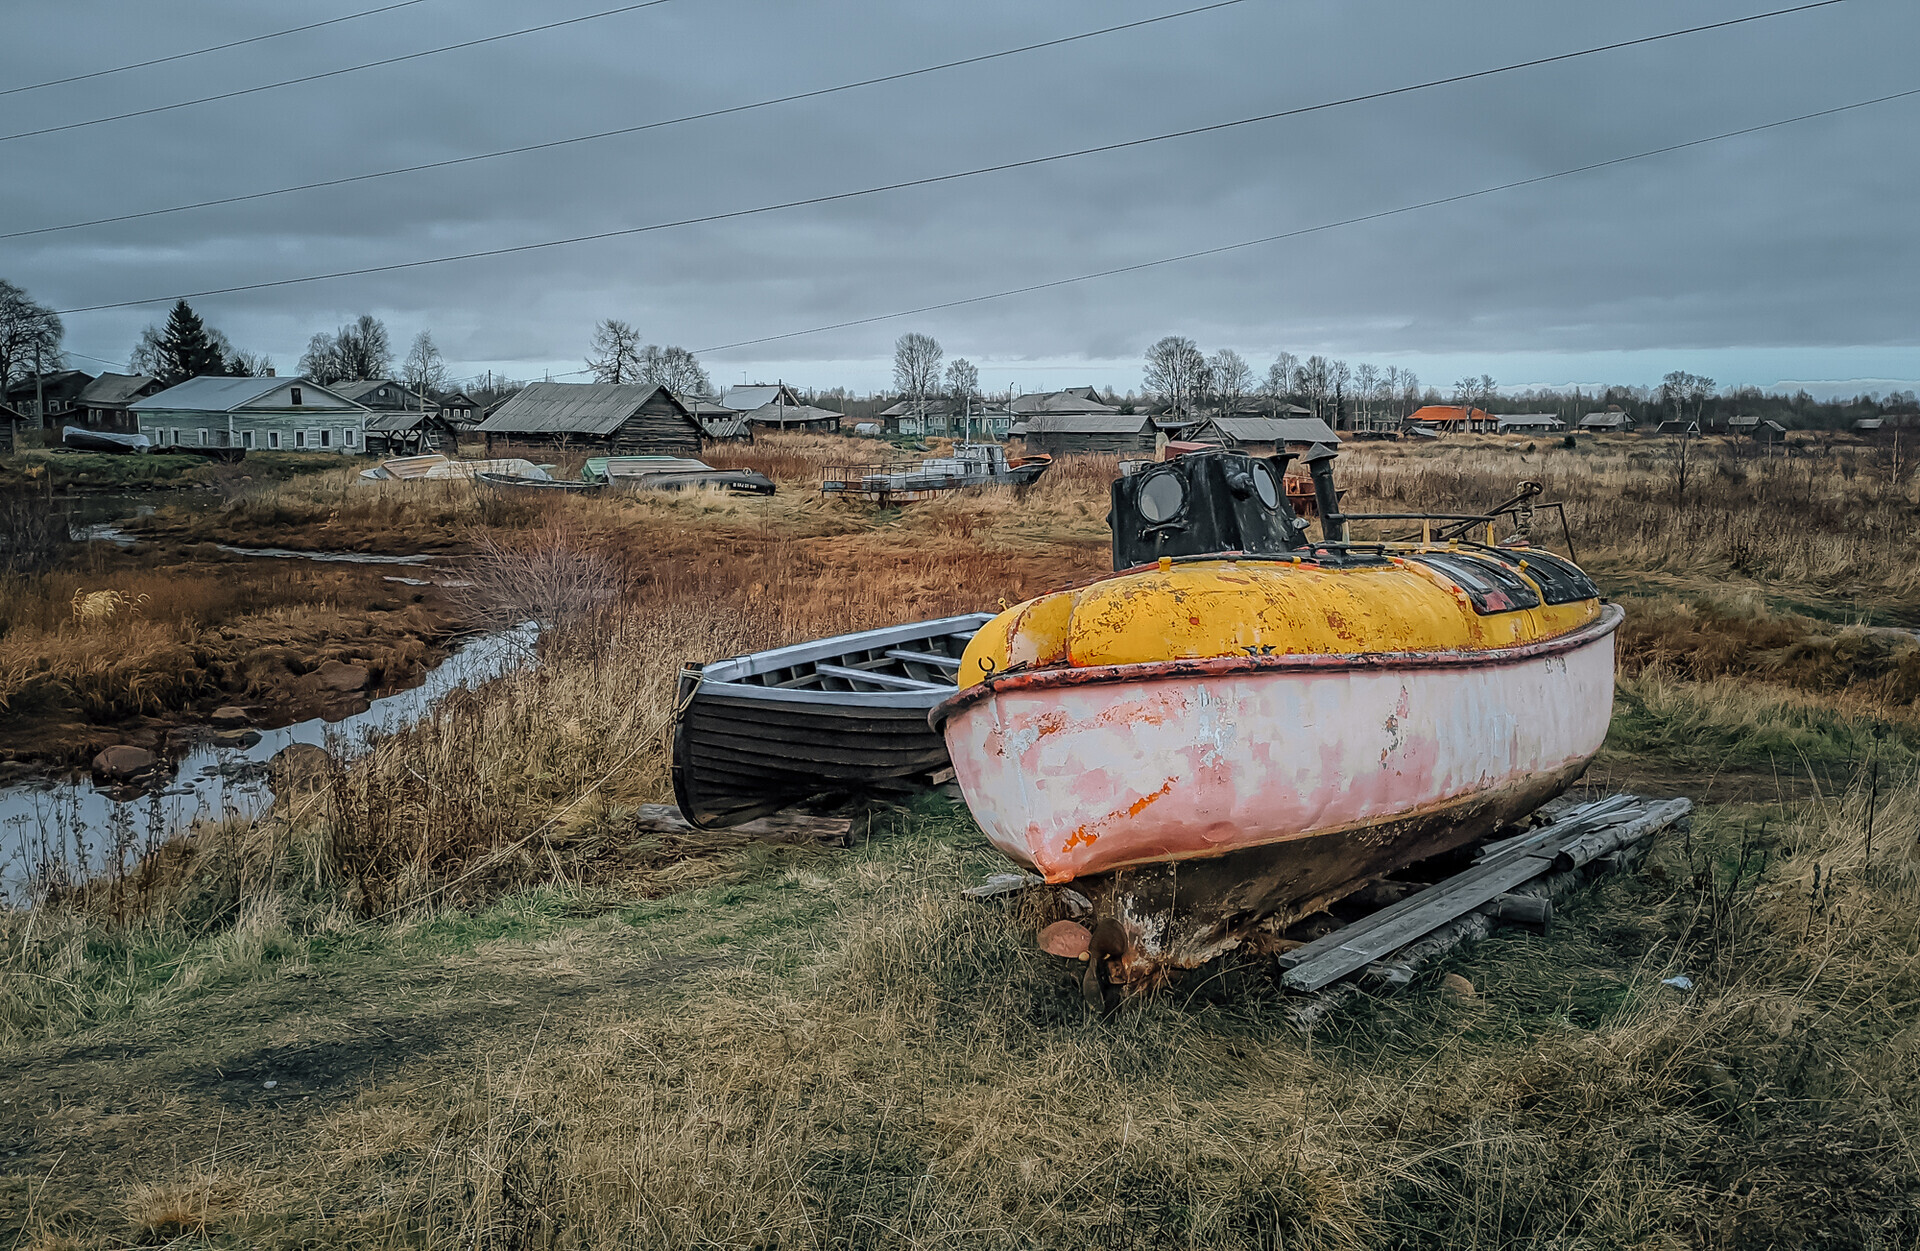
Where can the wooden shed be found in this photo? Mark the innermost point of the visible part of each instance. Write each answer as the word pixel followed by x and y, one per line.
pixel 609 418
pixel 1264 436
pixel 1068 433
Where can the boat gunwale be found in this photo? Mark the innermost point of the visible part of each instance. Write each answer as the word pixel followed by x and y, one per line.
pixel 1611 615
pixel 735 667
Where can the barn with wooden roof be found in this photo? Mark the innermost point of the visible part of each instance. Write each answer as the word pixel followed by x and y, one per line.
pixel 610 418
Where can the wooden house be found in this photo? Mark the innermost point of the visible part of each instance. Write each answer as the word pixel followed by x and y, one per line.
pixel 105 403
pixel 1529 423
pixel 51 399
pixel 258 414
pixel 1612 421
pixel 745 399
pixel 410 434
pixel 458 409
pixel 1065 434
pixel 1263 436
pixel 608 418
pixel 1071 400
pixel 1454 419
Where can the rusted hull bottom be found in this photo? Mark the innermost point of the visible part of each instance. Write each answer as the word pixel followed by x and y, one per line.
pixel 1200 800
pixel 1181 914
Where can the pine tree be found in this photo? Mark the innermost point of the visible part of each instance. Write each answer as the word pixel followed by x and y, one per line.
pixel 185 349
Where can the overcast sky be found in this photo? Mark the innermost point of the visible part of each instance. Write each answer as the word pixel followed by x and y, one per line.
pixel 1784 256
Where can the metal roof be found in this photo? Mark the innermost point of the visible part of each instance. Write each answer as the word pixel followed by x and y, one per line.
pixel 1276 430
pixel 114 389
pixel 746 399
pixel 573 408
pixel 1531 419
pixel 1604 419
pixel 774 414
pixel 1087 423
pixel 1742 423
pixel 1072 400
pixel 212 394
pixel 400 422
pixel 731 426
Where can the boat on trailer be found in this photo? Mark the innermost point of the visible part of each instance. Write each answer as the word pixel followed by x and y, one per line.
pixel 845 715
pixel 1242 726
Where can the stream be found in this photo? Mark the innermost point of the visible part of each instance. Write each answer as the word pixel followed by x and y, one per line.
pixel 56 831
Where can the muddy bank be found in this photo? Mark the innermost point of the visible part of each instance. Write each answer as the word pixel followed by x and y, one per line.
pixel 130 644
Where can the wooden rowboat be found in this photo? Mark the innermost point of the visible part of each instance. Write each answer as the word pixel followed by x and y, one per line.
pixel 843 715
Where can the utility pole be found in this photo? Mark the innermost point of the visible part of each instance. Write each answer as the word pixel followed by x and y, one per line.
pixel 39 387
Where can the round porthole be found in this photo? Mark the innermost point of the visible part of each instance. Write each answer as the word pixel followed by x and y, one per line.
pixel 1161 496
pixel 1265 486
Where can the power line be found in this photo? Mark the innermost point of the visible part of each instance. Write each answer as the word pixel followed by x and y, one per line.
pixel 332 73
pixel 628 130
pixel 1320 228
pixel 218 47
pixel 935 179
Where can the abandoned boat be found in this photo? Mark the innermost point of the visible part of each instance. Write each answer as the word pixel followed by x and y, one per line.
pixel 1242 726
pixel 81 439
pixel 971 465
pixel 672 473
pixel 848 714
pixel 435 467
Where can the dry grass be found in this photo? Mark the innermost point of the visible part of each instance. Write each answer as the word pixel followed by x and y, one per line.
pixel 832 1050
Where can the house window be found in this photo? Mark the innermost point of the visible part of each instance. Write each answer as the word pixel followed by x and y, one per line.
pixel 296 395
pixel 202 434
pixel 246 439
pixel 273 439
pixel 353 438
pixel 326 438
pixel 299 438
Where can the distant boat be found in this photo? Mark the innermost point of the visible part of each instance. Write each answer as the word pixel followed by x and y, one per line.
pixel 435 467
pixel 847 714
pixel 514 482
pixel 971 465
pixel 81 439
pixel 672 473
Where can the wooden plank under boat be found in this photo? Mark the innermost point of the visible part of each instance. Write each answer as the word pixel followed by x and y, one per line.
pixel 842 715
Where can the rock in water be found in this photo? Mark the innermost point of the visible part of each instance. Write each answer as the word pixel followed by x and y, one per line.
pixel 337 675
pixel 122 762
pixel 230 717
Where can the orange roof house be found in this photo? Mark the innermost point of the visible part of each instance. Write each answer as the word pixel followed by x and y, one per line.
pixel 1450 414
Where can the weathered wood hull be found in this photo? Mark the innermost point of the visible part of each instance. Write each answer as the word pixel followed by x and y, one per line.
pixel 845 715
pixel 1193 799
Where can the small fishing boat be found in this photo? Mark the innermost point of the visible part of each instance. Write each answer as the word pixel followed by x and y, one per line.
pixel 672 473
pixel 434 467
pixel 1242 725
pixel 843 715
pixel 561 486
pixel 81 439
pixel 971 465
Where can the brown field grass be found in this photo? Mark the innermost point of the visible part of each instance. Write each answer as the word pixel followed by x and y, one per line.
pixel 809 1048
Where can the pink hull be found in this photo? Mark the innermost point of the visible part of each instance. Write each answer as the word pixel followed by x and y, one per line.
pixel 1081 772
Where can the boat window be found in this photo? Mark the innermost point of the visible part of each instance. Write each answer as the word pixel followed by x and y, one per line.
pixel 1561 581
pixel 1162 496
pixel 1490 585
pixel 1263 484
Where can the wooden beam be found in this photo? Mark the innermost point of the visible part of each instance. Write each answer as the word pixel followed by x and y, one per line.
pixel 887 680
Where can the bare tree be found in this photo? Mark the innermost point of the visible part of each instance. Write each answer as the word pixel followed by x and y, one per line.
pixel 616 352
pixel 356 352
pixel 674 368
pixel 1338 376
pixel 916 365
pixel 1466 390
pixel 1177 371
pixel 1278 388
pixel 426 369
pixel 249 364
pixel 1686 392
pixel 963 380
pixel 1230 378
pixel 1366 386
pixel 30 335
pixel 1409 392
pixel 1312 384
